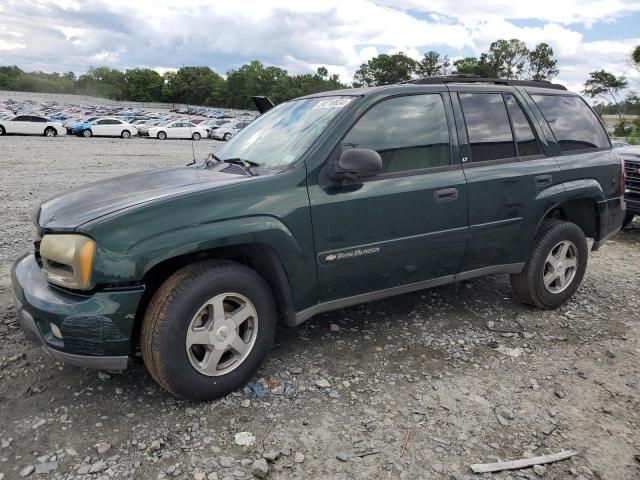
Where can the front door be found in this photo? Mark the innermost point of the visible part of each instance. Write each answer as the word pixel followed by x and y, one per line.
pixel 406 225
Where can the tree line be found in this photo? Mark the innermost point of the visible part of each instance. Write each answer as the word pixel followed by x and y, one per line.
pixel 188 85
pixel 203 86
pixel 504 59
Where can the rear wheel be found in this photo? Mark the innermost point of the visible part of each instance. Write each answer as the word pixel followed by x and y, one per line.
pixel 87 133
pixel 555 267
pixel 196 136
pixel 162 135
pixel 207 329
pixel 125 134
pixel 628 218
pixel 50 132
pixel 227 137
pixel 2 131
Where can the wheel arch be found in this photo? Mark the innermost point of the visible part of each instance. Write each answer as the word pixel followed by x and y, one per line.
pixel 260 257
pixel 578 204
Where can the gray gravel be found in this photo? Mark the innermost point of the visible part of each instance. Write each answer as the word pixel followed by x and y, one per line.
pixel 403 388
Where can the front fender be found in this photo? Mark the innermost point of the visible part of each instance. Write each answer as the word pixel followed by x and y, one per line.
pixel 134 262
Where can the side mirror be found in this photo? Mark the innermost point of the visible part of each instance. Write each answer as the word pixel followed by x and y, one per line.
pixel 358 163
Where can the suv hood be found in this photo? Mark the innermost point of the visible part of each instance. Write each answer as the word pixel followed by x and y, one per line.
pixel 71 209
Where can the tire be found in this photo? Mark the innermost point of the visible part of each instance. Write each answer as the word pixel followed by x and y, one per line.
pixel 125 134
pixel 196 136
pixel 2 130
pixel 87 133
pixel 226 137
pixel 169 322
pixel 628 218
pixel 162 135
pixel 530 286
pixel 50 132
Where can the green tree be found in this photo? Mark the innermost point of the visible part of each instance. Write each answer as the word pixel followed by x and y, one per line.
pixel 322 72
pixel 433 64
pixel 635 57
pixel 508 57
pixel 143 85
pixel 385 70
pixel 542 65
pixel 102 81
pixel 475 66
pixel 607 86
pixel 194 86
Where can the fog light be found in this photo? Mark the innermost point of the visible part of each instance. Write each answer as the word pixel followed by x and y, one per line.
pixel 55 330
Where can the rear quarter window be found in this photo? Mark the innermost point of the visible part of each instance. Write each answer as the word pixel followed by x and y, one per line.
pixel 573 123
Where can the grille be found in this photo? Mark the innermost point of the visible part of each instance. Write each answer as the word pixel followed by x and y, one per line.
pixel 632 170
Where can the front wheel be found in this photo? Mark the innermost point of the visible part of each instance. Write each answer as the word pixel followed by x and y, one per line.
pixel 555 267
pixel 628 218
pixel 87 133
pixel 125 134
pixel 162 135
pixel 227 137
pixel 207 329
pixel 49 132
pixel 196 136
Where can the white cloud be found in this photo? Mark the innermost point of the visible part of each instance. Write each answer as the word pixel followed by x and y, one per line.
pixel 300 36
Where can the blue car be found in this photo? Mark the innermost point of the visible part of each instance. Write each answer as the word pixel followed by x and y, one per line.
pixel 78 127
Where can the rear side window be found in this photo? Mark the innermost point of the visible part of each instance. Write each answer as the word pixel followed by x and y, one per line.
pixel 572 122
pixel 409 133
pixel 526 140
pixel 487 126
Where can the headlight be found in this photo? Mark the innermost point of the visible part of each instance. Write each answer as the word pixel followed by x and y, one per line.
pixel 67 260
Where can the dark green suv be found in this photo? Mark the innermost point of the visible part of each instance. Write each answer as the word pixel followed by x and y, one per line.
pixel 322 202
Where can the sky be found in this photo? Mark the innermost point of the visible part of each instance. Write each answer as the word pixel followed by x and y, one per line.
pixel 300 35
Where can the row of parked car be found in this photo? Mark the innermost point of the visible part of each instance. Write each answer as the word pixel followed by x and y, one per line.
pixel 49 119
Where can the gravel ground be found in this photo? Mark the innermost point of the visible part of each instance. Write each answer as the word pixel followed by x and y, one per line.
pixel 403 388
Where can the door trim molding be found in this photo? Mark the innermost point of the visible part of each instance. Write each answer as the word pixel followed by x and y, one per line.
pixel 307 313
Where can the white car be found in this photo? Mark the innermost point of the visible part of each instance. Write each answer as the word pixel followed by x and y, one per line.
pixel 228 130
pixel 178 129
pixel 31 125
pixel 108 127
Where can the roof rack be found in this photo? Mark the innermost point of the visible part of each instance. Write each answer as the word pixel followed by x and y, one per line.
pixel 467 78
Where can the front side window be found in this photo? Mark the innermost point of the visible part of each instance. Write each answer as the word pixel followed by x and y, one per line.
pixel 21 118
pixel 409 133
pixel 526 140
pixel 280 137
pixel 487 126
pixel 102 122
pixel 572 122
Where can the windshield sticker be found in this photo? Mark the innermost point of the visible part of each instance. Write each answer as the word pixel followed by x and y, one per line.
pixel 333 103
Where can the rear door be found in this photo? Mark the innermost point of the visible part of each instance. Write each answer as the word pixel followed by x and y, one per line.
pixel 407 225
pixel 506 170
pixel 38 125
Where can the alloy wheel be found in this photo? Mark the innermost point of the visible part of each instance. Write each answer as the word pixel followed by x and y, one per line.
pixel 222 334
pixel 560 267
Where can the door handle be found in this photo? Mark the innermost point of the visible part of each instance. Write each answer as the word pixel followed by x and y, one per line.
pixel 445 195
pixel 543 180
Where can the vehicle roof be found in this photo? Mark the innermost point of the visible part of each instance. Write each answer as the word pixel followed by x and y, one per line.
pixel 466 81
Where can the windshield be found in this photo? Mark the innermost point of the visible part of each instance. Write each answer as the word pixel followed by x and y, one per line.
pixel 283 134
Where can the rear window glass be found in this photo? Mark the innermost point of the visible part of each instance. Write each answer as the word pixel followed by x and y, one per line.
pixel 572 122
pixel 487 126
pixel 525 138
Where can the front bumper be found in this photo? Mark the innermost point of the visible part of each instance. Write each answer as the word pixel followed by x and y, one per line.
pixel 611 214
pixel 95 329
